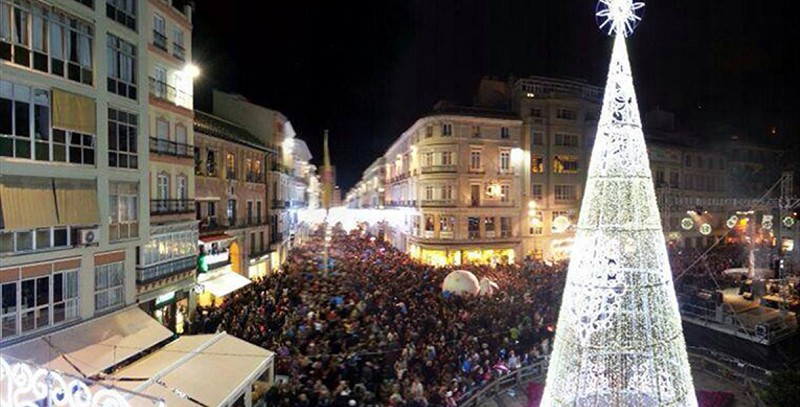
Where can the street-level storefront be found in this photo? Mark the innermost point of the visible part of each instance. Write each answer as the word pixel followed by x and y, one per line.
pixel 171 308
pixel 437 255
pixel 213 287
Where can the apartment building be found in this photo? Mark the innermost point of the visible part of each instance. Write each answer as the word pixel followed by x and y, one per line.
pixel 560 120
pixel 166 263
pixel 73 165
pixel 231 205
pixel 274 130
pixel 457 172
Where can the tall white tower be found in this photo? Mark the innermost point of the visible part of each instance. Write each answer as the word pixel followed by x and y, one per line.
pixel 619 340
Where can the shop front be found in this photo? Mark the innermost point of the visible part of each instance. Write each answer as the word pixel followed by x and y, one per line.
pixel 456 256
pixel 171 309
pixel 213 287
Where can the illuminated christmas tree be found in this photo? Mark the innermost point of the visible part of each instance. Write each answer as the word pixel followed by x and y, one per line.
pixel 619 340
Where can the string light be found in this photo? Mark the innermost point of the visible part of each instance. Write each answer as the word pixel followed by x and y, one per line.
pixel 619 340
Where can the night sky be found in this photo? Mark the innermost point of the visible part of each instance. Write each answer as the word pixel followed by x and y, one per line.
pixel 367 70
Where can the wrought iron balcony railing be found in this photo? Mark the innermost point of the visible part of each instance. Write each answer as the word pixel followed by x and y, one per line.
pixel 172 148
pixel 171 206
pixel 164 91
pixel 178 51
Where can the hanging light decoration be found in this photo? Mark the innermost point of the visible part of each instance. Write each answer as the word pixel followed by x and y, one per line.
pixel 619 339
pixel 687 223
pixel 705 229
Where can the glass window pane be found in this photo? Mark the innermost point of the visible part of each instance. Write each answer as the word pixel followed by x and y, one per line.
pixel 43 239
pixel 28 294
pixel 58 287
pixel 24 241
pixel 9 292
pixel 43 290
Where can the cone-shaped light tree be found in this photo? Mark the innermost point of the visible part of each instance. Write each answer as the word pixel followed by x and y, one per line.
pixel 619 340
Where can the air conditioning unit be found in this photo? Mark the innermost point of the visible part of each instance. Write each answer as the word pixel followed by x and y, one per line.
pixel 89 236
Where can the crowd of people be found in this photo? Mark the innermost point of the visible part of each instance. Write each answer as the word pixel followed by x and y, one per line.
pixel 374 328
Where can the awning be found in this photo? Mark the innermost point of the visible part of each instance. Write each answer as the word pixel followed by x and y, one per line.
pixel 215 238
pixel 27 203
pixel 212 369
pixel 77 202
pixel 90 347
pixel 74 112
pixel 225 283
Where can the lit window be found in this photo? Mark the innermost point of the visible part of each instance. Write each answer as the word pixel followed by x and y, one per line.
pixel 537 164
pixel 565 164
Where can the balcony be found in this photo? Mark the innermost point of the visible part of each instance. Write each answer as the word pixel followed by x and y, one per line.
pixel 178 51
pixel 438 203
pixel 160 40
pixel 161 90
pixel 171 148
pixel 439 169
pixel 145 275
pixel 210 225
pixel 171 206
pixel 218 259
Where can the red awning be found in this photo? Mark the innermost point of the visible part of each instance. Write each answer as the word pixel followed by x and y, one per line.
pixel 216 238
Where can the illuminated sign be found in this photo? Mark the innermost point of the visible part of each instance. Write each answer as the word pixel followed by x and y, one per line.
pixel 687 223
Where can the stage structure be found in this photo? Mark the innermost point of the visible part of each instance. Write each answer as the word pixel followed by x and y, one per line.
pixel 619 340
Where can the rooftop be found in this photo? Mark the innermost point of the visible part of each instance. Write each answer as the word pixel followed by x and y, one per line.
pixel 218 127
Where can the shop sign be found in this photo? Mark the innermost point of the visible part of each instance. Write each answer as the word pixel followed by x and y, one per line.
pixel 161 299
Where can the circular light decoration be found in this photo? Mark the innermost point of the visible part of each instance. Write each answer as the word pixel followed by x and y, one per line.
pixel 731 223
pixel 619 16
pixel 788 221
pixel 687 223
pixel 705 229
pixel 766 222
pixel 561 224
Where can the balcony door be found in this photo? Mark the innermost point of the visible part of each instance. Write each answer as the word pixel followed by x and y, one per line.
pixel 475 195
pixel 160 76
pixel 162 192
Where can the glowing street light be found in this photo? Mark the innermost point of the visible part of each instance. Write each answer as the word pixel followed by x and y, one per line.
pixel 192 70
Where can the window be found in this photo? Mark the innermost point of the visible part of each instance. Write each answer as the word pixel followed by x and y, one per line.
pixel 674 180
pixel 168 246
pixel 537 164
pixel 109 286
pixel 566 114
pixel 261 241
pixel 505 161
pixel 123 213
pixel 447 223
pixel 46 238
pixel 252 243
pixel 39 302
pixel 537 192
pixel 659 178
pixel 447 129
pixel 256 173
pixel 476 131
pixel 250 218
pixel 429 193
pixel 231 212
pixel 230 166
pixel 447 158
pixel 537 138
pixel 123 12
pixel 688 160
pixel 474 227
pixel 429 223
pixel 536 112
pixel 505 193
pixel 447 193
pixel 87 3
pixel 178 49
pixel 566 192
pixel 505 226
pixel 688 181
pixel 475 194
pixel 121 67
pixel 489 226
pixel 159 32
pixel 211 163
pixel 427 159
pixel 122 139
pixel 159 82
pixel 37 31
pixel 258 212
pixel 428 131
pixel 182 192
pixel 536 223
pixel 162 187
pixel 721 165
pixel 566 140
pixel 565 164
pixel 475 163
pixel 505 133
pixel 181 140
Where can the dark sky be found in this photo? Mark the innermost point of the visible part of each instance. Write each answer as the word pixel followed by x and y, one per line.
pixel 367 69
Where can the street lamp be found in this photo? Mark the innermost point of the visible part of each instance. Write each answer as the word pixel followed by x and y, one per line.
pixel 192 70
